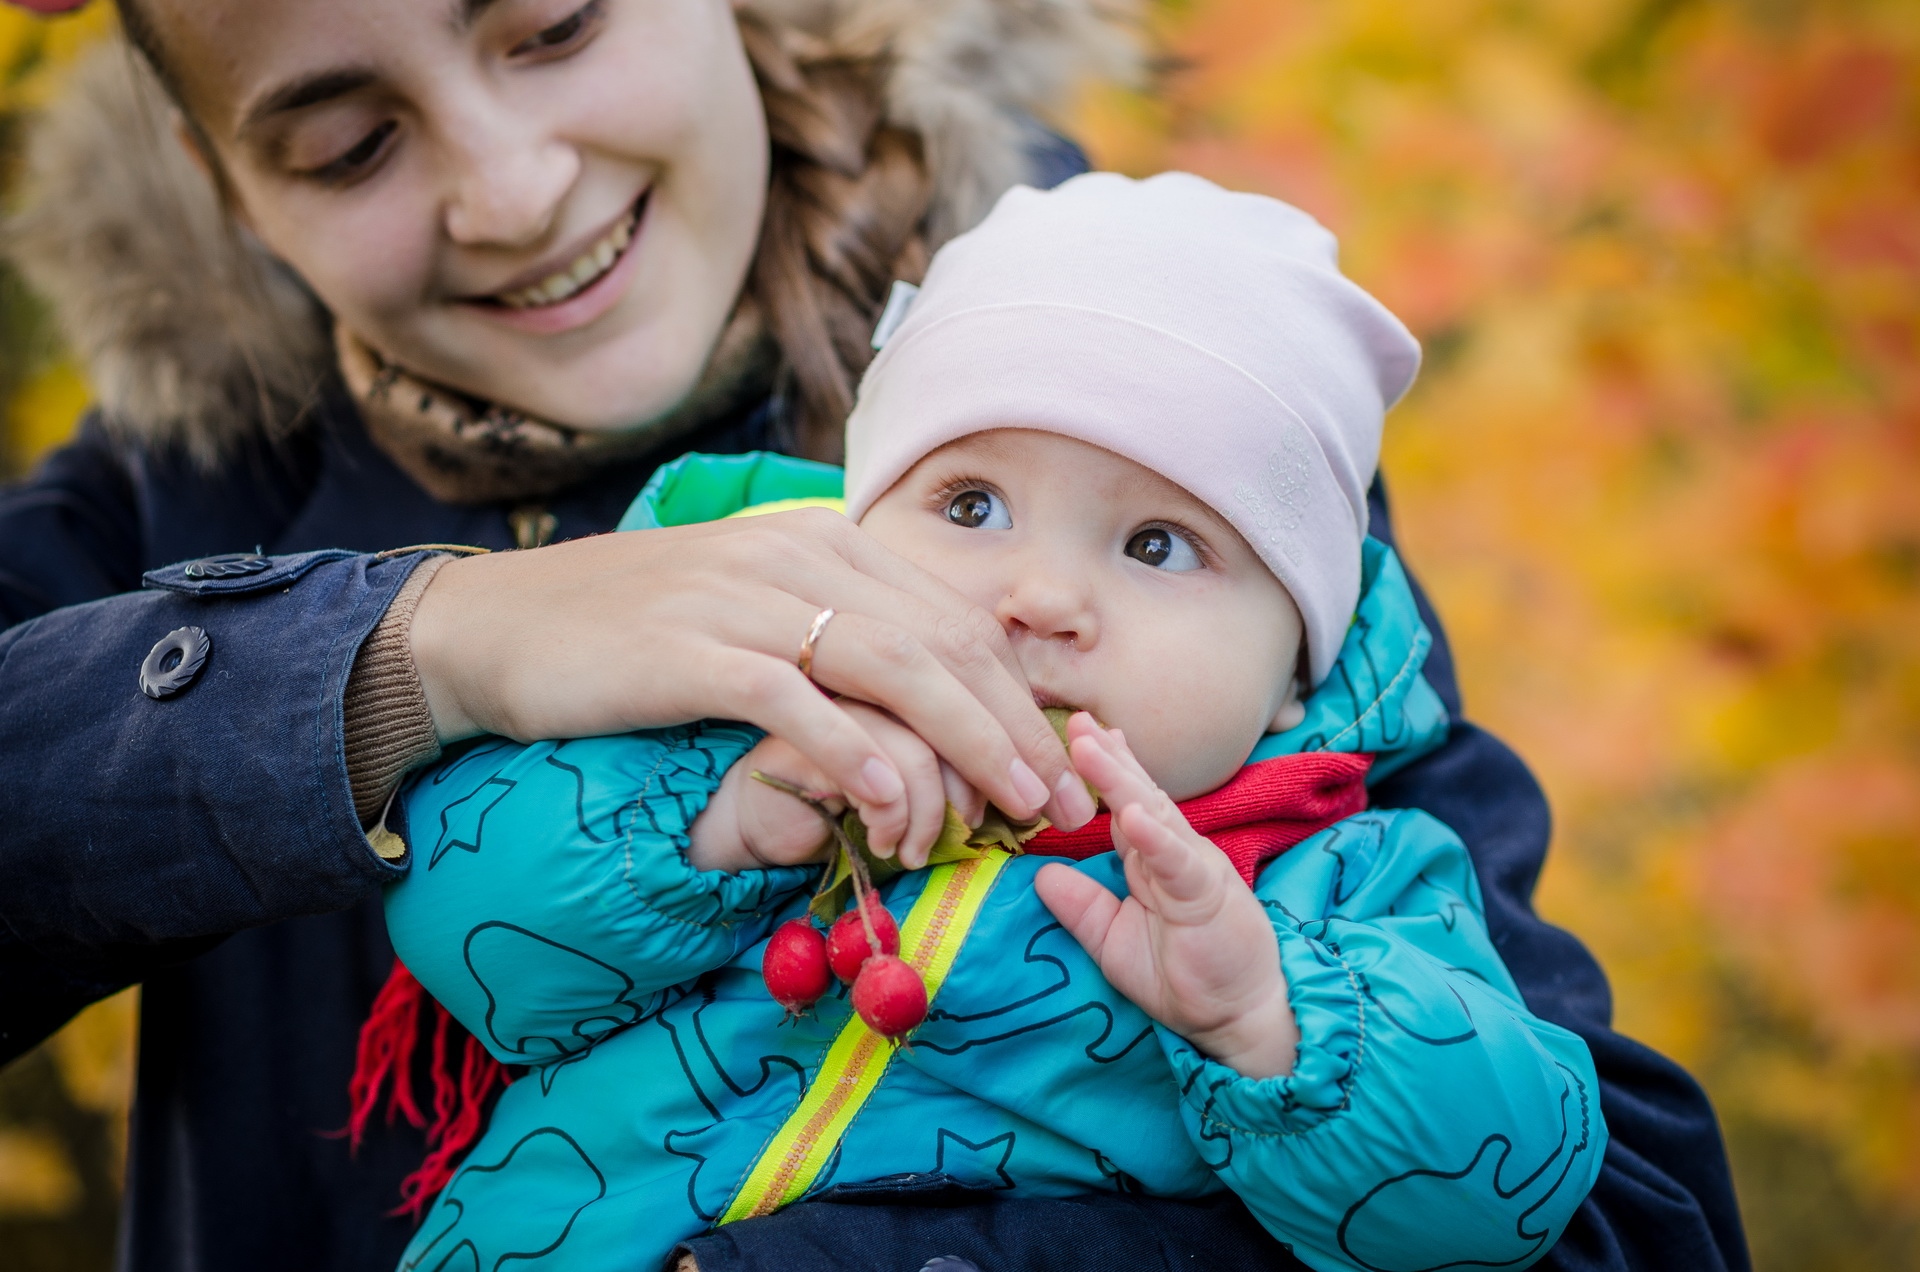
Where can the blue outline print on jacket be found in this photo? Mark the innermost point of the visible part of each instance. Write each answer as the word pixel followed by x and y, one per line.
pixel 1372 1240
pixel 483 1237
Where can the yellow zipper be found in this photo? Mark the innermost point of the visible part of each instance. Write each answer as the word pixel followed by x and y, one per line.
pixel 930 940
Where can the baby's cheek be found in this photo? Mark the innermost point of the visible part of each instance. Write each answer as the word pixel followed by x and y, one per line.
pixel 1191 732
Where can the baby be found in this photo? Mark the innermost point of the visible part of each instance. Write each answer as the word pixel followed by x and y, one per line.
pixel 1135 422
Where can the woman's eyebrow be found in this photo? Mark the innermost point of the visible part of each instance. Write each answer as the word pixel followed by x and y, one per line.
pixel 467 12
pixel 307 90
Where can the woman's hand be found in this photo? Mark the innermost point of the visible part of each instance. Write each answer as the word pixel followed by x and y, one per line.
pixel 1191 944
pixel 749 824
pixel 660 627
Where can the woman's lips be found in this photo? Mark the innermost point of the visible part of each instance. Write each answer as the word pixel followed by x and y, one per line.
pixel 581 307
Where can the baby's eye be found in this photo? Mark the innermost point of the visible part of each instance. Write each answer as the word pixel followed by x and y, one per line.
pixel 979 510
pixel 1163 550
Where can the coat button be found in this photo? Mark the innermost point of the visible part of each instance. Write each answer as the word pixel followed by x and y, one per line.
pixel 175 662
pixel 231 566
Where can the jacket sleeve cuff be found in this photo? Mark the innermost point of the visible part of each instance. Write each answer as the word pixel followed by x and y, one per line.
pixel 388 727
pixel 1325 994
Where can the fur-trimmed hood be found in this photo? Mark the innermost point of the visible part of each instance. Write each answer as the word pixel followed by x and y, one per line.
pixel 194 337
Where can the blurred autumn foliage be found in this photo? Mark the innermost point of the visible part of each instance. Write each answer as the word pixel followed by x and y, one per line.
pixel 1661 472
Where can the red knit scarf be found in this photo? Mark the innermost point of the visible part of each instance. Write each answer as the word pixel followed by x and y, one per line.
pixel 1266 809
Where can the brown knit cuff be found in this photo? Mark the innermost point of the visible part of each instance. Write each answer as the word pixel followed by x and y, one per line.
pixel 389 728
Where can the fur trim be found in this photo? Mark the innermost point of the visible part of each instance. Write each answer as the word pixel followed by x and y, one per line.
pixel 195 338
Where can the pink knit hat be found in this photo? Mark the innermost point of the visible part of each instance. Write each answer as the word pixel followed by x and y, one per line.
pixel 1206 335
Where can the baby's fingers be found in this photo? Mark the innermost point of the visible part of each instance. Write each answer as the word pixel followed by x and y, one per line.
pixel 1084 906
pixel 1184 870
pixel 1114 773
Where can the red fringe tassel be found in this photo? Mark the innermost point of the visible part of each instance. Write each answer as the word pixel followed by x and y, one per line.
pixel 384 1061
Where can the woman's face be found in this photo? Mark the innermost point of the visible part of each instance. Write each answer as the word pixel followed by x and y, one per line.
pixel 546 203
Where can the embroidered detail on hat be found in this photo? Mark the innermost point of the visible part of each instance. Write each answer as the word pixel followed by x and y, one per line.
pixel 1275 500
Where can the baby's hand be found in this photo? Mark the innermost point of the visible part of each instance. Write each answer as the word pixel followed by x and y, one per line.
pixel 749 825
pixel 1191 944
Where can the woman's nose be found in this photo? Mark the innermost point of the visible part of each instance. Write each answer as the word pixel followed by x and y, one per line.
pixel 508 185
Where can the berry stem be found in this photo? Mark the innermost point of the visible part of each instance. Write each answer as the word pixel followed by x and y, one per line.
pixel 856 866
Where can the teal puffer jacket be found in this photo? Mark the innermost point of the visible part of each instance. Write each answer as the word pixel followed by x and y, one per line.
pixel 1429 1122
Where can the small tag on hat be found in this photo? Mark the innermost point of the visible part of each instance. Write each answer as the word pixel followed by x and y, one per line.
pixel 899 301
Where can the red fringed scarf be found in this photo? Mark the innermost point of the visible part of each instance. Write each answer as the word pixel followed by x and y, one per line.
pixel 460 1099
pixel 1266 809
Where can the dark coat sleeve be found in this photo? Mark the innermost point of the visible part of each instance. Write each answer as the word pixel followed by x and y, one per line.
pixel 137 832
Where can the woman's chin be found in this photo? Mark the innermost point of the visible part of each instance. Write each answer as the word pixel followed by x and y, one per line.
pixel 615 390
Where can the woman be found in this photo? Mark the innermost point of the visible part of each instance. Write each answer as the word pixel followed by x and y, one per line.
pixel 427 273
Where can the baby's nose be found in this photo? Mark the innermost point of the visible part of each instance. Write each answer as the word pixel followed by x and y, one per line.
pixel 1052 608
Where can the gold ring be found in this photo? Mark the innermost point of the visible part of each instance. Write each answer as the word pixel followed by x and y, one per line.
pixel 820 622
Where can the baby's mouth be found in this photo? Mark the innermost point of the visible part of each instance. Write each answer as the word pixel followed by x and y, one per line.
pixel 1045 698
pixel 583 271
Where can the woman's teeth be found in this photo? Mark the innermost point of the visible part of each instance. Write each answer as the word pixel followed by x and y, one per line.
pixel 585 269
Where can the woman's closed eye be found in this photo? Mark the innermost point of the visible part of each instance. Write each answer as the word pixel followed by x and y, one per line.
pixel 1164 549
pixel 358 159
pixel 977 509
pixel 565 35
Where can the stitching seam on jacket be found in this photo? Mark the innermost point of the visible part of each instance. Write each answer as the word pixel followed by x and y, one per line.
pixel 626 872
pixel 1353 1078
pixel 1414 662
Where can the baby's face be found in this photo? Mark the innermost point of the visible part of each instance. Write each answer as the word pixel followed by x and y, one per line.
pixel 1121 593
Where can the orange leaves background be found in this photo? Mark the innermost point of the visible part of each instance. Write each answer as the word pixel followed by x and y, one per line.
pixel 1661 473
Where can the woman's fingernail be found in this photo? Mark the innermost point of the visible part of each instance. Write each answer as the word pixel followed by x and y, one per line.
pixel 1071 798
pixel 1027 784
pixel 883 784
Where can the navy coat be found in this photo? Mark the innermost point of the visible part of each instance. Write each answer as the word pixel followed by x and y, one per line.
pixel 205 846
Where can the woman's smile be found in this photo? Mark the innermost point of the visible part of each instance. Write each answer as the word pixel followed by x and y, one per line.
pixel 550 298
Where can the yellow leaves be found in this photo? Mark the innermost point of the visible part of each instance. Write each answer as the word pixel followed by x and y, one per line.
pixel 46 1168
pixel 36 1179
pixel 43 413
pixel 34 50
pixel 94 1053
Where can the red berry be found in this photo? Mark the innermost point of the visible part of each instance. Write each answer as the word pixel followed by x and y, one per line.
pixel 890 996
pixel 847 944
pixel 795 965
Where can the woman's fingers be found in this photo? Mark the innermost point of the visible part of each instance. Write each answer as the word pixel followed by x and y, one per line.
pixel 963 795
pixel 909 830
pixel 974 650
pixel 881 663
pixel 774 695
